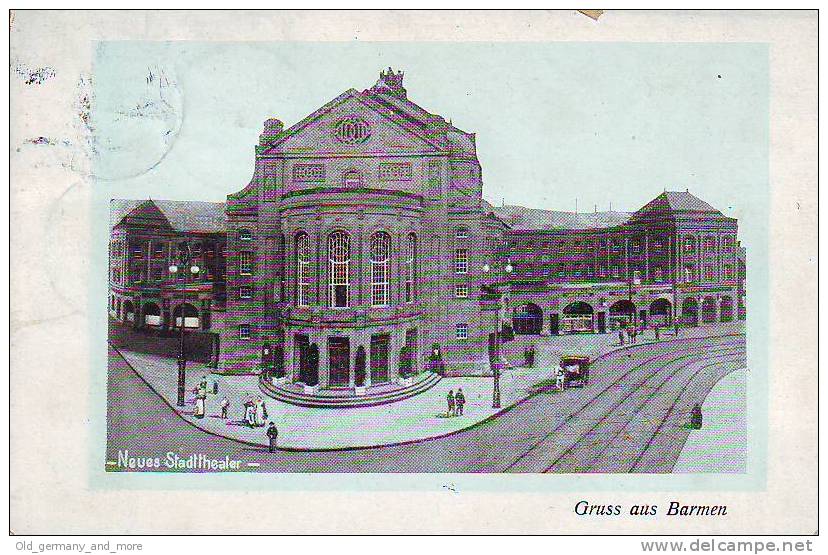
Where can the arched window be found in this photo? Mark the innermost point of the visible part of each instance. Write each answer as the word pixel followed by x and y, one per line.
pixel 410 267
pixel 302 268
pixel 380 256
pixel 339 263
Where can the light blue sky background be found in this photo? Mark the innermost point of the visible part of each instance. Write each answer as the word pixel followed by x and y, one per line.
pixel 600 122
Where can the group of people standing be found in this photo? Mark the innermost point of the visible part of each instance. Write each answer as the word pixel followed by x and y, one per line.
pixel 455 402
pixel 631 334
pixel 255 413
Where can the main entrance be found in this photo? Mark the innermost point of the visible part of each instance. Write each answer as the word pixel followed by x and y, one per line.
pixel 379 358
pixel 339 356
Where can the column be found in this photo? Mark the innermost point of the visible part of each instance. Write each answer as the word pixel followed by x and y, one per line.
pixel 324 360
pixel 367 347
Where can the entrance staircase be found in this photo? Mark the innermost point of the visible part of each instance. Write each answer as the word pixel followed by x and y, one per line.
pixel 346 397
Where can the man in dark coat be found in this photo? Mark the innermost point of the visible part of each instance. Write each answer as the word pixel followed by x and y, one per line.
pixel 272 435
pixel 460 399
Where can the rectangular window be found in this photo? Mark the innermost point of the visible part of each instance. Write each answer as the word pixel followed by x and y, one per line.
pixel 710 273
pixel 245 235
pixel 244 332
pixel 158 250
pixel 461 290
pixel 461 261
pixel 379 283
pixel 461 331
pixel 309 172
pixel 616 271
pixel 245 263
pixel 657 275
pixel 157 274
pixel 728 271
pixel 395 171
pixel 245 292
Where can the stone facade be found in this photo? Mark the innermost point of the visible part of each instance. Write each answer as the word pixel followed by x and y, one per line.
pixel 147 238
pixel 363 231
pixel 677 258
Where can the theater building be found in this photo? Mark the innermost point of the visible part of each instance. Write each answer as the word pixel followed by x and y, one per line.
pixel 357 251
pixel 361 253
pixel 677 258
pixel 146 239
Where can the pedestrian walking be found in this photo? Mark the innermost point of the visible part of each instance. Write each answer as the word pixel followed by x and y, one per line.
pixel 696 417
pixel 200 405
pixel 560 378
pixel 249 413
pixel 451 403
pixel 272 436
pixel 215 388
pixel 261 412
pixel 656 332
pixel 460 399
pixel 225 404
pixel 620 336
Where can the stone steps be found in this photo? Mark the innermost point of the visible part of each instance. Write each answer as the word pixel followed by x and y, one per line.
pixel 351 401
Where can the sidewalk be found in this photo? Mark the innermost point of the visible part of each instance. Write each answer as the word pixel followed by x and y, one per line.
pixel 420 417
pixel 721 444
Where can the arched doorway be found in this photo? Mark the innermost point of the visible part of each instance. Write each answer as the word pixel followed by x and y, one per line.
pixel 661 312
pixel 726 309
pixel 621 314
pixel 190 316
pixel 129 311
pixel 709 310
pixel 527 320
pixel 152 315
pixel 577 317
pixel 690 312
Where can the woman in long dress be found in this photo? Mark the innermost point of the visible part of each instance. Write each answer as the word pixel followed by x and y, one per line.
pixel 249 413
pixel 201 397
pixel 261 412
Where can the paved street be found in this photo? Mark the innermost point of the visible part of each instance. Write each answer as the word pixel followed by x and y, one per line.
pixel 630 418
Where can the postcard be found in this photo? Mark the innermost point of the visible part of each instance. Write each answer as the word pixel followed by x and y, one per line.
pixel 557 272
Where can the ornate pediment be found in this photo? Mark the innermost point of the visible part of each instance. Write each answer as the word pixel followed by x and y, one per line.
pixel 357 124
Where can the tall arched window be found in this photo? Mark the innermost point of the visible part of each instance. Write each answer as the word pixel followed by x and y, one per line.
pixel 302 268
pixel 380 256
pixel 410 267
pixel 339 263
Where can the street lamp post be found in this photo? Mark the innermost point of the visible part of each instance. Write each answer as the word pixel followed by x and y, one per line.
pixel 182 359
pixel 495 364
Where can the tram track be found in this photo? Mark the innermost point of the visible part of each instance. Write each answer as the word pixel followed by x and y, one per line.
pixel 580 451
pixel 524 462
